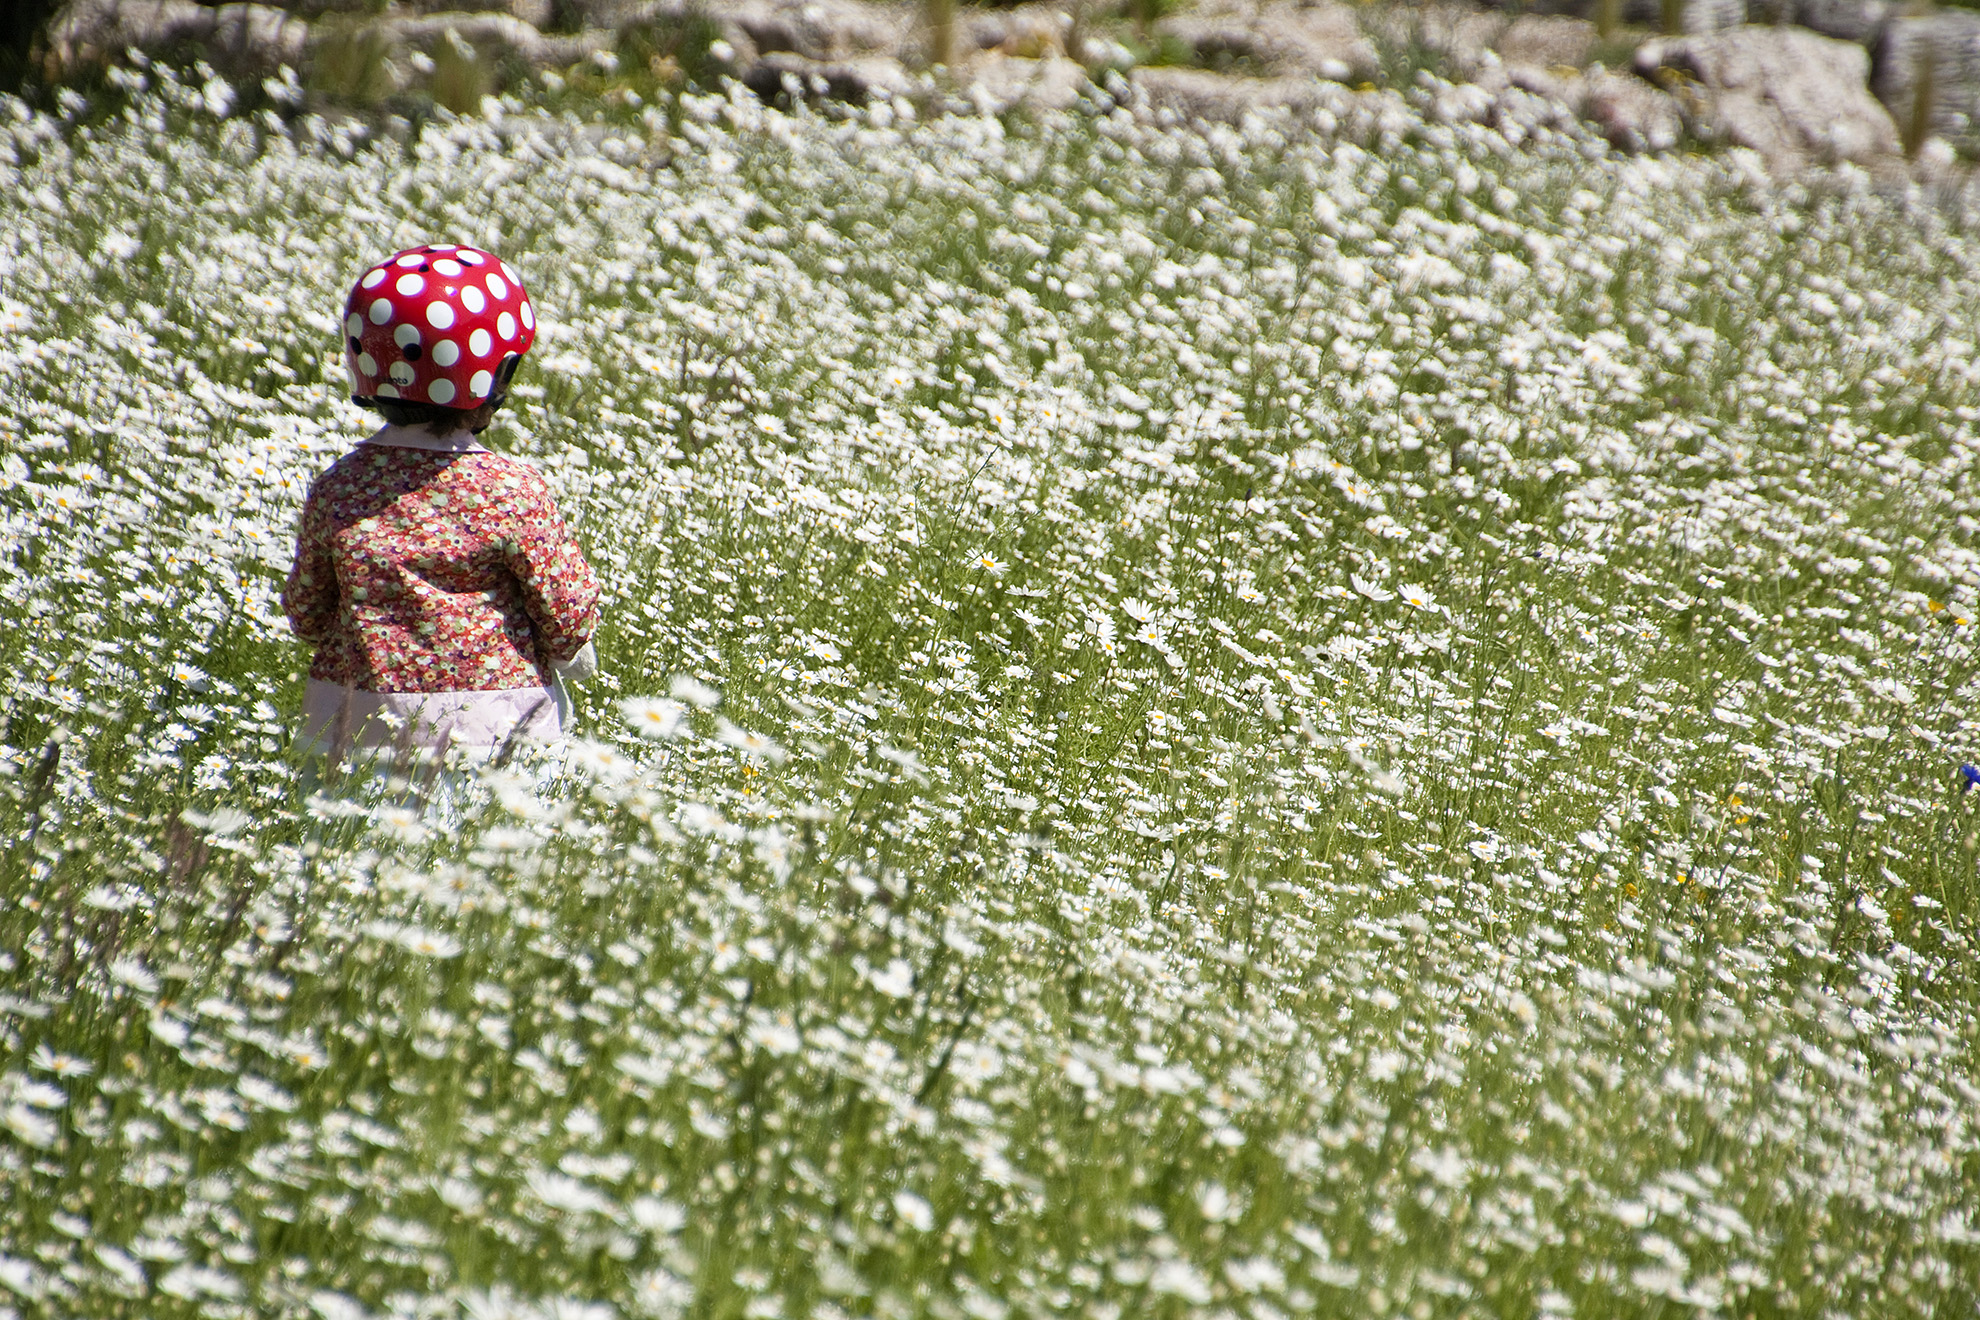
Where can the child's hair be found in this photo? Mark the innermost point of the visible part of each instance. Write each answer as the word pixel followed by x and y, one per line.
pixel 436 418
pixel 430 415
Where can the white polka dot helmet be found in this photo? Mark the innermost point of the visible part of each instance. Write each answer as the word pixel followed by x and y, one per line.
pixel 440 324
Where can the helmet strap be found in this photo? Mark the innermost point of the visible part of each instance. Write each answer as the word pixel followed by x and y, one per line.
pixel 500 394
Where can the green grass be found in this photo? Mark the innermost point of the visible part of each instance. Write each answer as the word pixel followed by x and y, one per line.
pixel 1521 871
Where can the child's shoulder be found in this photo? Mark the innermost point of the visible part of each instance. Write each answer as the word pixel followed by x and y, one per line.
pixel 367 456
pixel 496 479
pixel 359 463
pixel 486 464
pixel 400 468
pixel 494 458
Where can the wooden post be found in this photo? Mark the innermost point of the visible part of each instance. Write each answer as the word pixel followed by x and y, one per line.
pixel 942 32
pixel 1924 98
pixel 1608 18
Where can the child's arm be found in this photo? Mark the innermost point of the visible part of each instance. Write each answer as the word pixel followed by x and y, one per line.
pixel 559 589
pixel 309 597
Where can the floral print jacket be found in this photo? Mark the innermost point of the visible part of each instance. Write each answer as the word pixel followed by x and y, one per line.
pixel 431 570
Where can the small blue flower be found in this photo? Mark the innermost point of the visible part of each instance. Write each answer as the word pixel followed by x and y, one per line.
pixel 1969 776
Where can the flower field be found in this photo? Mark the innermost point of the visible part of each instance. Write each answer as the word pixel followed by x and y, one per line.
pixel 1332 718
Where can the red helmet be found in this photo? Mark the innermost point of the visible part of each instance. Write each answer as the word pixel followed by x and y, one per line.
pixel 437 324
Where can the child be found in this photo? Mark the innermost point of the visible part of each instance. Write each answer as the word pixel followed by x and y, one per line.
pixel 439 586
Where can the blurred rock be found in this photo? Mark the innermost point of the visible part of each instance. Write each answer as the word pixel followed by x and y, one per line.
pixel 88 34
pixel 1631 113
pixel 1545 42
pixel 1702 16
pixel 536 13
pixel 1694 16
pixel 1561 83
pixel 244 39
pixel 782 77
pixel 819 29
pixel 1467 41
pixel 1029 31
pixel 256 39
pixel 311 10
pixel 1377 119
pixel 1323 40
pixel 591 13
pixel 1219 98
pixel 1860 21
pixel 1457 35
pixel 999 82
pixel 488 33
pixel 1928 76
pixel 1787 93
pixel 1796 94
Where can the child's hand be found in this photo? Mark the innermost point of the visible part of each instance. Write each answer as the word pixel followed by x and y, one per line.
pixel 581 667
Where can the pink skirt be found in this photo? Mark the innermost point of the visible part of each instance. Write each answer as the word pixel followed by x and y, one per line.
pixel 339 720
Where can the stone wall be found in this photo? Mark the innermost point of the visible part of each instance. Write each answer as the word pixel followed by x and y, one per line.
pixel 1801 82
